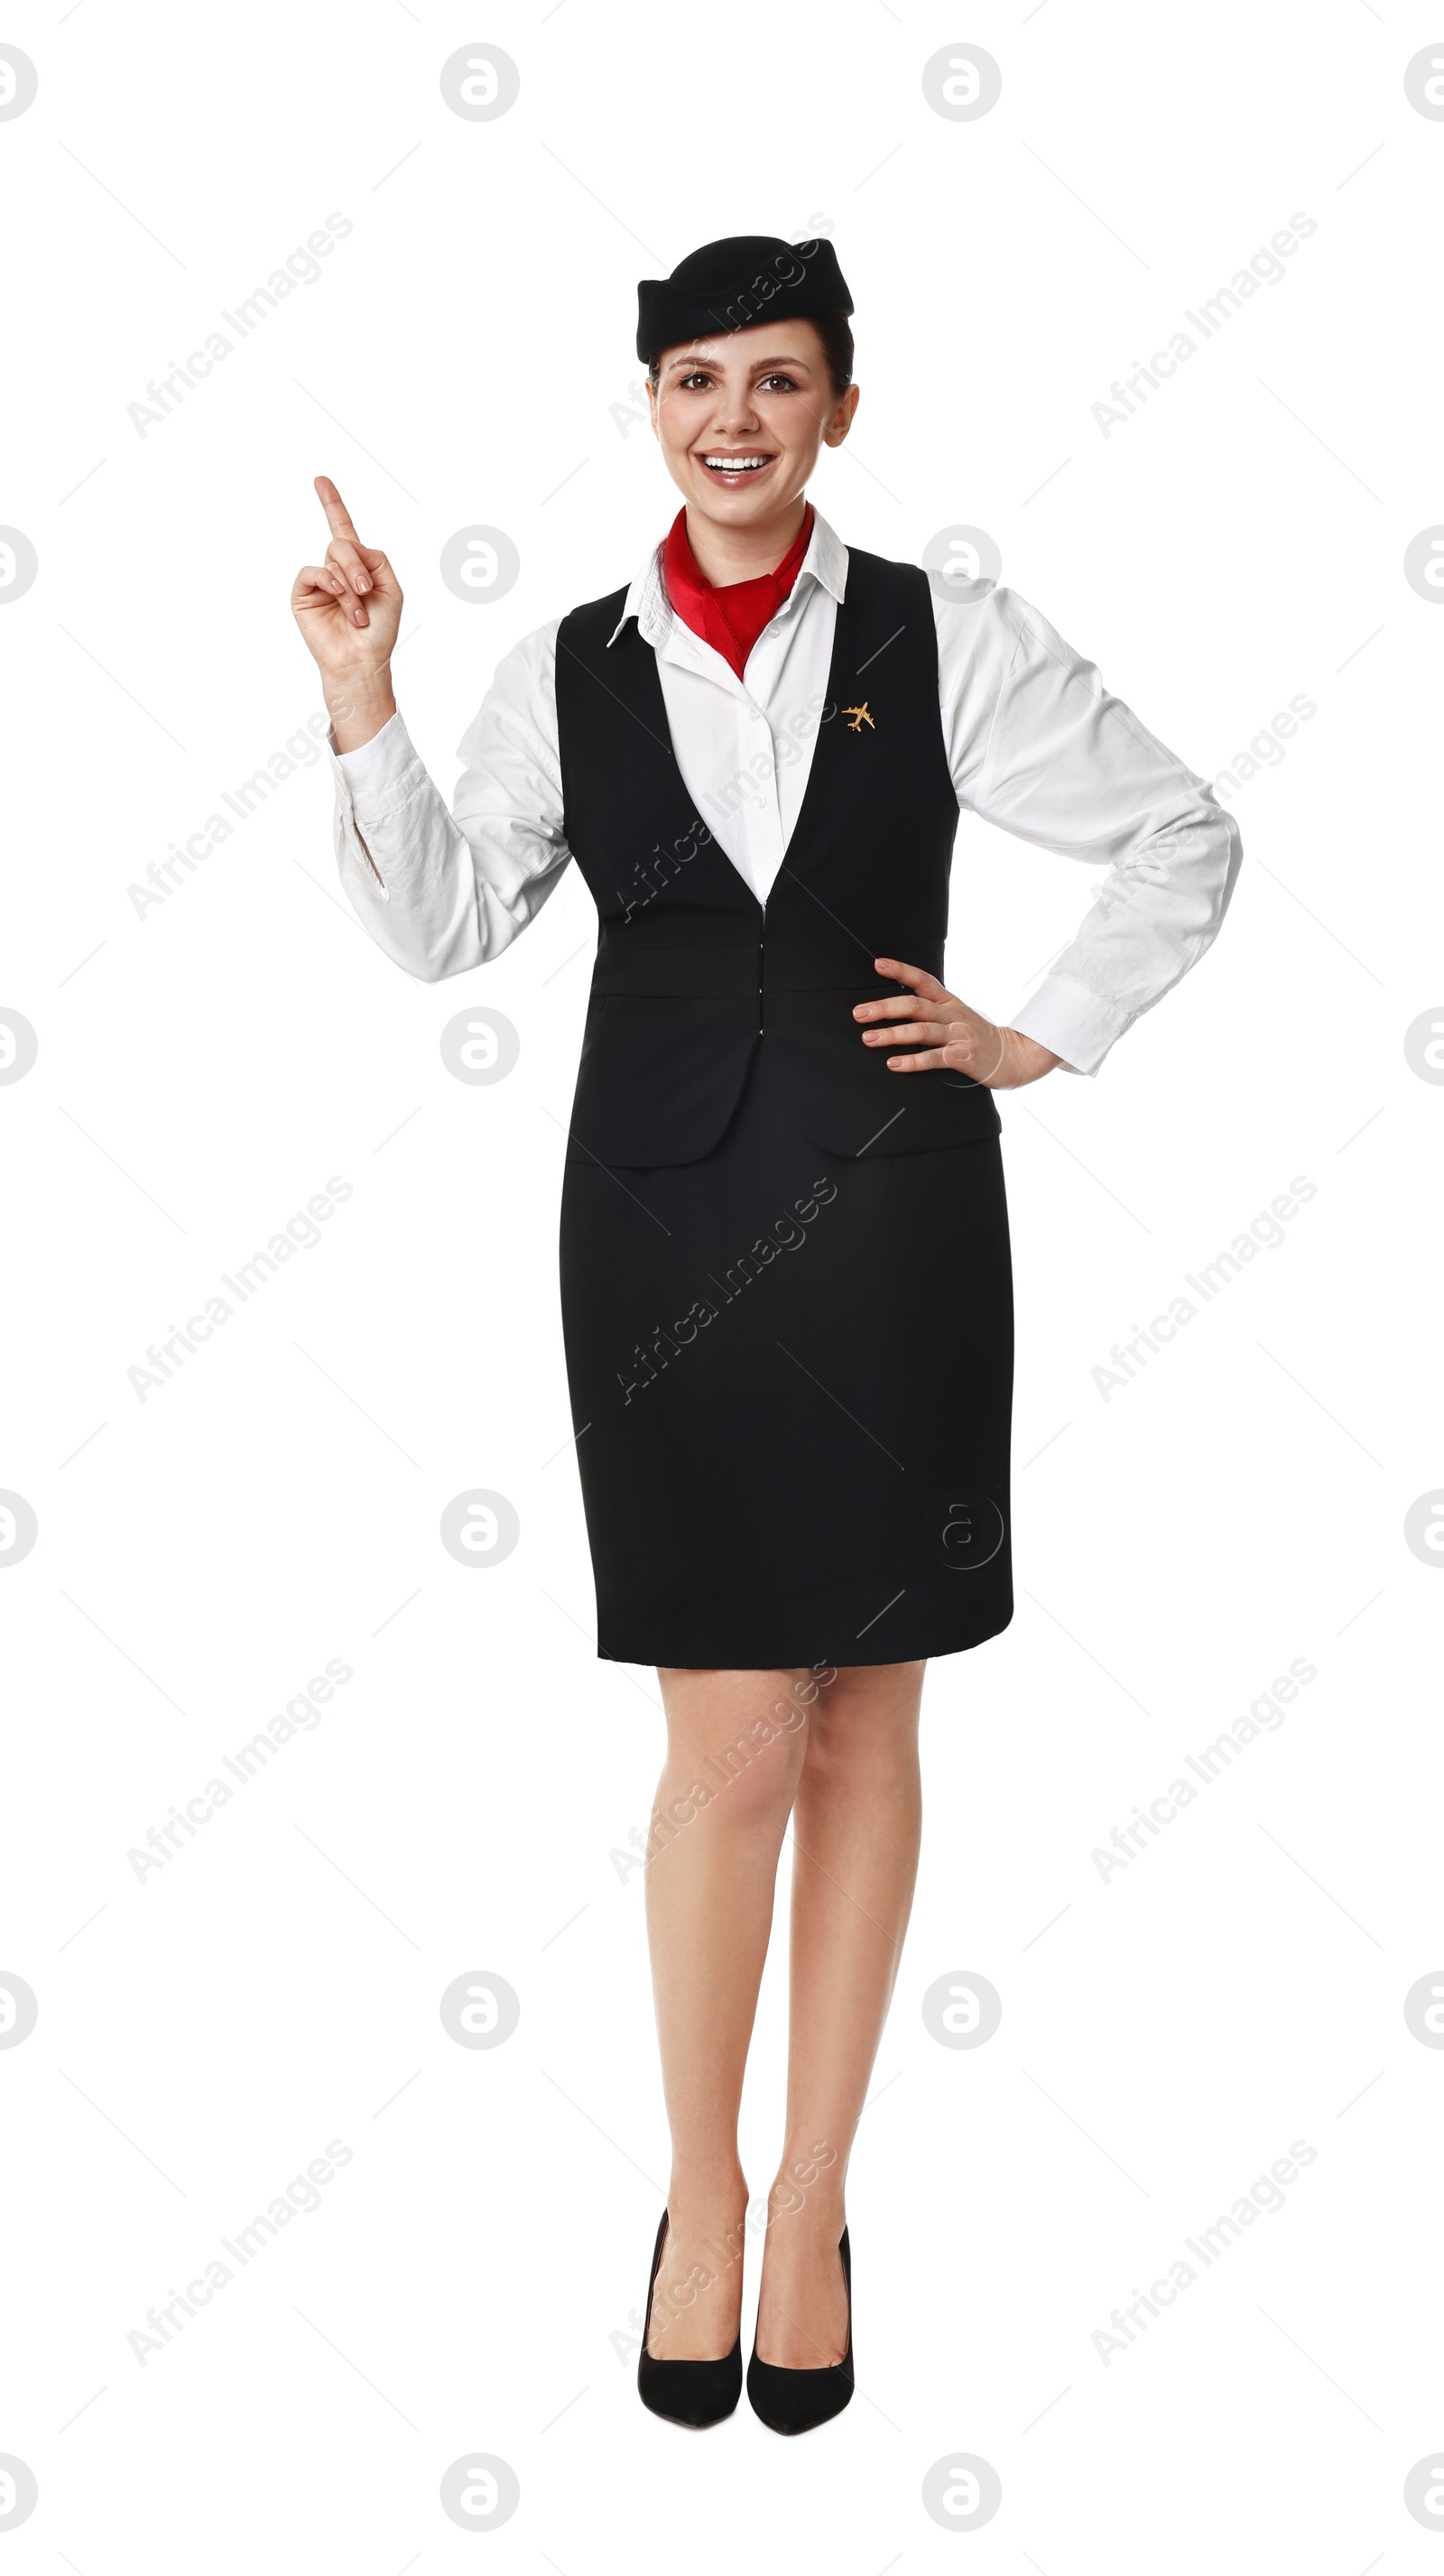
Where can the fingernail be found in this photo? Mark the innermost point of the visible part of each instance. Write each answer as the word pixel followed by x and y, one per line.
pixel 361 580
pixel 360 616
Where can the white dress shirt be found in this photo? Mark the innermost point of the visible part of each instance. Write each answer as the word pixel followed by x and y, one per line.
pixel 1033 740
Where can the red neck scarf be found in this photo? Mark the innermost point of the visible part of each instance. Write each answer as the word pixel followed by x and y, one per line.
pixel 730 620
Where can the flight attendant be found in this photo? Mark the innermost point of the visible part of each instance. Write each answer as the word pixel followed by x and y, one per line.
pixel 785 1273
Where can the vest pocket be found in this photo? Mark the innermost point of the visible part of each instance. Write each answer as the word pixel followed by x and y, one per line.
pixel 660 1076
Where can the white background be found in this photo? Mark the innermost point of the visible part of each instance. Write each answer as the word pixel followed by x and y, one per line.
pixel 203 1068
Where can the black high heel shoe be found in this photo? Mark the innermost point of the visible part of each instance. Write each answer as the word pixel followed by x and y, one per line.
pixel 698 2393
pixel 796 2401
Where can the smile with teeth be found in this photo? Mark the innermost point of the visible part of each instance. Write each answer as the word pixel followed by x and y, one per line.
pixel 724 464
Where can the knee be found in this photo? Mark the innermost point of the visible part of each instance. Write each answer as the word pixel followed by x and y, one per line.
pixel 866 1722
pixel 755 1777
pixel 736 1742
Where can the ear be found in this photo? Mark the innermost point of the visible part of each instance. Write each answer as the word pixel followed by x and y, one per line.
pixel 652 409
pixel 842 419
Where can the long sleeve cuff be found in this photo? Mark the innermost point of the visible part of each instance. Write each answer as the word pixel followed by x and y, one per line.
pixel 370 783
pixel 1075 1024
pixel 377 777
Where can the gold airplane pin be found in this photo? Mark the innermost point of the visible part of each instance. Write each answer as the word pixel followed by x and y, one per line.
pixel 860 717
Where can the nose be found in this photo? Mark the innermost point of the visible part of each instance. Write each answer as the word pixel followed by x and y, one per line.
pixel 737 416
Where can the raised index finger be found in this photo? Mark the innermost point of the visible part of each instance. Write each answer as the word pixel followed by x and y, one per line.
pixel 338 517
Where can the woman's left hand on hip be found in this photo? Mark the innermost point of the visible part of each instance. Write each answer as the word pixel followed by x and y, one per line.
pixel 947 1034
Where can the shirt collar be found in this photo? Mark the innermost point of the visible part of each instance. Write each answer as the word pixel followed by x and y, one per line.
pixel 825 561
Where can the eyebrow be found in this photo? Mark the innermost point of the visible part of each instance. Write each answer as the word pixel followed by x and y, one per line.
pixel 760 366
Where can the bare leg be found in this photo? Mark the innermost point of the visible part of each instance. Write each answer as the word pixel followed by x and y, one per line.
pixel 735 1748
pixel 856 1822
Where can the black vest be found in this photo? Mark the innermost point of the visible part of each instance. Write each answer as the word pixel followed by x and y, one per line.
pixel 692 973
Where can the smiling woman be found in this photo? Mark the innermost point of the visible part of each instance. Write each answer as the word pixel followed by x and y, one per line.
pixel 746 412
pixel 821 1485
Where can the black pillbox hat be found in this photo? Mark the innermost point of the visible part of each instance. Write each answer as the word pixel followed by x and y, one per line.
pixel 729 285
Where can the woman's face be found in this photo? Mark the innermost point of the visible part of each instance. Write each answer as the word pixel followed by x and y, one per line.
pixel 741 418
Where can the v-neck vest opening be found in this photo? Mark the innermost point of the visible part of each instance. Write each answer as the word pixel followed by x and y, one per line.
pixel 692 966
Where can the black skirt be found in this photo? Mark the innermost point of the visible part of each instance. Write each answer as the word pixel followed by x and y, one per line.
pixel 791 1381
